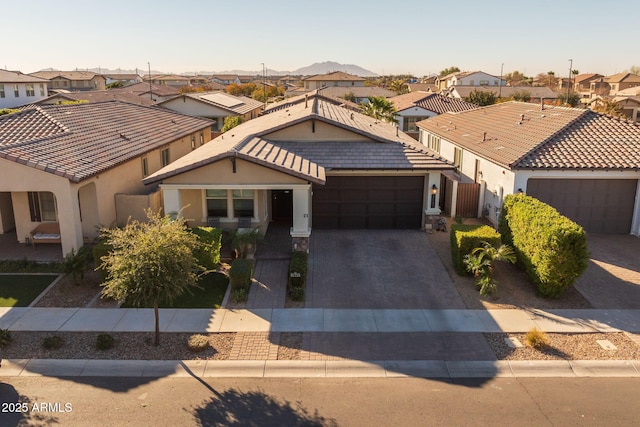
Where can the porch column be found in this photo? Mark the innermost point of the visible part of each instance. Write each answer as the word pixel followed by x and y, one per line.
pixel 635 222
pixel 69 219
pixel 172 201
pixel 301 231
pixel 433 200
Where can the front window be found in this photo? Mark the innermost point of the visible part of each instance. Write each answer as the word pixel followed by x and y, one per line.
pixel 193 142
pixel 42 206
pixel 216 203
pixel 145 167
pixel 164 157
pixel 201 138
pixel 16 91
pixel 242 203
pixel 457 159
pixel 30 90
pixel 41 89
pixel 1 91
pixel 409 124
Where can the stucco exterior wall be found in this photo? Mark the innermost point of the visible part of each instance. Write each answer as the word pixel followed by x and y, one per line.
pixel 323 132
pixel 11 101
pixel 221 173
pixel 6 213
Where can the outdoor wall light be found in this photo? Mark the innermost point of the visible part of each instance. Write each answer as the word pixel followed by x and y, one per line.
pixel 520 191
pixel 434 191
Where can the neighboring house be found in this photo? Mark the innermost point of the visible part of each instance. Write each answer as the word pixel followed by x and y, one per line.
pixel 413 107
pixel 359 94
pixel 621 81
pixel 422 87
pixel 78 167
pixel 468 78
pixel 311 164
pixel 336 78
pixel 125 79
pixel 226 79
pixel 582 83
pixel 96 96
pixel 215 106
pixel 537 93
pixel 18 89
pixel 73 80
pixel 156 93
pixel 169 80
pixel 304 98
pixel 584 164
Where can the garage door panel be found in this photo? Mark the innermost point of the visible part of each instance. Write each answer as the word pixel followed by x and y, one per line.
pixel 368 202
pixel 600 206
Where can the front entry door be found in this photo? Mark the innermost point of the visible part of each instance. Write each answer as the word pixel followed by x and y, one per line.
pixel 282 205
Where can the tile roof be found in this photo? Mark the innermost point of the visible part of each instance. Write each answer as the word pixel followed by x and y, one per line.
pixel 520 135
pixel 81 140
pixel 623 77
pixel 294 100
pixel 430 101
pixel 7 76
pixel 586 77
pixel 387 148
pixel 98 96
pixel 223 100
pixel 357 91
pixel 335 76
pixel 71 75
pixel 144 87
pixel 537 92
pixel 422 87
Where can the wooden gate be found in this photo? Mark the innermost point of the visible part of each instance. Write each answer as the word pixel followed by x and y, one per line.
pixel 467 200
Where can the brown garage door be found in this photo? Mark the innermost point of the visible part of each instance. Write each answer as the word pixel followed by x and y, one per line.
pixel 599 205
pixel 368 202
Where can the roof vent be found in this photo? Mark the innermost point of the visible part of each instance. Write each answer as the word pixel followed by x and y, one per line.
pixel 484 136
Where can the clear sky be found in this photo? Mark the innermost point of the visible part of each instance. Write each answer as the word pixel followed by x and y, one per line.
pixel 386 37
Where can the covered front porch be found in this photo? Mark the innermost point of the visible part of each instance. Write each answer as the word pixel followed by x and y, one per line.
pixel 237 206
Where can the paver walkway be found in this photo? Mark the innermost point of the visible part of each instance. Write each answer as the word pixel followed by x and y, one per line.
pixel 269 288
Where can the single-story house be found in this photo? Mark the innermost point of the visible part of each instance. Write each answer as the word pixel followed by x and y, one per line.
pixel 76 168
pixel 585 164
pixel 413 107
pixel 536 93
pixel 215 106
pixel 310 164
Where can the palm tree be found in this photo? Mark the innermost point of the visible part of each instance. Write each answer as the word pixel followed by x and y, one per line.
pixel 481 262
pixel 380 108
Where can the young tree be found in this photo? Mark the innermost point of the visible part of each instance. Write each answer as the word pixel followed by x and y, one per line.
pixel 572 99
pixel 380 108
pixel 399 86
pixel 481 98
pixel 150 263
pixel 516 78
pixel 449 70
pixel 230 122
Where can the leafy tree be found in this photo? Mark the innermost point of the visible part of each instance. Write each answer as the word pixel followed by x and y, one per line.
pixel 230 122
pixel 380 108
pixel 481 98
pixel 350 96
pixel 607 106
pixel 269 91
pixel 449 70
pixel 524 96
pixel 78 101
pixel 635 69
pixel 572 99
pixel 245 89
pixel 575 72
pixel 4 111
pixel 115 85
pixel 75 263
pixel 516 78
pixel 150 262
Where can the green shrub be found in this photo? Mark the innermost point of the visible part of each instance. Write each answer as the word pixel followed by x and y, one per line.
pixel 296 293
pixel 208 254
pixel 240 273
pixel 104 342
pixel 240 294
pixel 465 238
pixel 551 248
pixel 52 343
pixel 75 262
pixel 26 266
pixel 197 343
pixel 5 337
pixel 298 268
pixel 101 249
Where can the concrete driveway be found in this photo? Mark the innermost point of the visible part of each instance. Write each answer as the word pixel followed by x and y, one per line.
pixel 377 269
pixel 612 279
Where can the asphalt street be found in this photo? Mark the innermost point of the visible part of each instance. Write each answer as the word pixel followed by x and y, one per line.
pixel 317 402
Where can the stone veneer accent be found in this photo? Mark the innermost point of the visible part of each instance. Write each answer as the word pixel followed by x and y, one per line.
pixel 300 244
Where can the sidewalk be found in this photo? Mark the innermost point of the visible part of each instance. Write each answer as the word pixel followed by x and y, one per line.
pixel 318 320
pixel 367 323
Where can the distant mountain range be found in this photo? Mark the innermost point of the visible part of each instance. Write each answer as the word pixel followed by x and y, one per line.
pixel 317 68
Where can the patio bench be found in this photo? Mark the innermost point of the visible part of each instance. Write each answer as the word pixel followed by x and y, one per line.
pixel 46 232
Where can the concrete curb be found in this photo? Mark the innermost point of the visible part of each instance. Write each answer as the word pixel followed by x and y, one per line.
pixel 320 369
